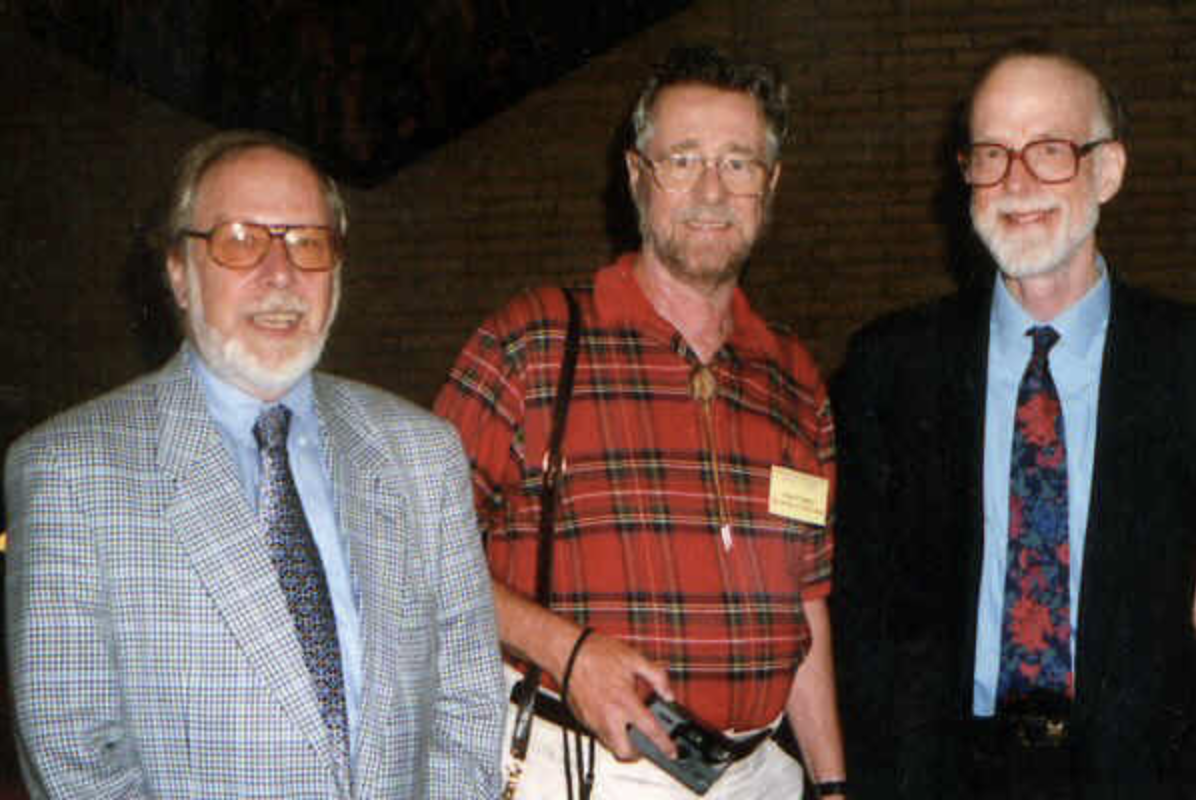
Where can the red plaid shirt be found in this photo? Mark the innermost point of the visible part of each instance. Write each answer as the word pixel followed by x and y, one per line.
pixel 653 477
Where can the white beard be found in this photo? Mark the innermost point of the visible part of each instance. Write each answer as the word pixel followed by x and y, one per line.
pixel 234 361
pixel 1026 254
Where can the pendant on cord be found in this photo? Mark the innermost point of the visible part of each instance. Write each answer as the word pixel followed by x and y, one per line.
pixel 702 384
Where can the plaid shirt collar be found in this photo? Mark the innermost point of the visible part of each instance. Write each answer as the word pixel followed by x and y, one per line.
pixel 620 301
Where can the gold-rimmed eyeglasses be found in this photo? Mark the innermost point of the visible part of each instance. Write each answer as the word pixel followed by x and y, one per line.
pixel 986 164
pixel 679 172
pixel 241 245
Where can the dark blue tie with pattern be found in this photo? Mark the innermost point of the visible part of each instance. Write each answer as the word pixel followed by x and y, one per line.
pixel 300 573
pixel 1036 630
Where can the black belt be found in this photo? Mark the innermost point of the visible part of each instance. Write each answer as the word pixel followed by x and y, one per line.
pixel 548 708
pixel 552 710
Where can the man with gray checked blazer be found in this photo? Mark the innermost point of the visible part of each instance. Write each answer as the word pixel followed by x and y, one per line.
pixel 154 649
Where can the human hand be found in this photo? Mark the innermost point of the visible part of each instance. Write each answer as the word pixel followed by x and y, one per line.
pixel 603 695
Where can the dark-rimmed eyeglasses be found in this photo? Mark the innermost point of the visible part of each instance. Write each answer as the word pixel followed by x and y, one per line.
pixel 679 172
pixel 241 245
pixel 1048 160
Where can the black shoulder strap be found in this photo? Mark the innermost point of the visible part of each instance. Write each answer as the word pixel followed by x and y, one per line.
pixel 524 693
pixel 552 456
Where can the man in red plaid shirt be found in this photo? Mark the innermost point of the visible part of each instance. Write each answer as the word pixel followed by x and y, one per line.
pixel 693 529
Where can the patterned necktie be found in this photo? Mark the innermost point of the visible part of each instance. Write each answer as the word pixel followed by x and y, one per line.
pixel 297 561
pixel 1036 630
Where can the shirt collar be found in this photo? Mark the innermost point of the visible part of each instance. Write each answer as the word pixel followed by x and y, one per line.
pixel 1079 326
pixel 621 301
pixel 236 411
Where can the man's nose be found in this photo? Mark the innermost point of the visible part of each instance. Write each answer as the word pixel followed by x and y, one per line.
pixel 1019 175
pixel 710 182
pixel 275 266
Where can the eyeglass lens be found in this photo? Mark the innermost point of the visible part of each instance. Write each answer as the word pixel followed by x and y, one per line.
pixel 682 171
pixel 1051 161
pixel 242 245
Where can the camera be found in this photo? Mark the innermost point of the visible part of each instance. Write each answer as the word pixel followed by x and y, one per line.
pixel 703 753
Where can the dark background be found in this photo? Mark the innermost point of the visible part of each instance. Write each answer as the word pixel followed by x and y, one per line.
pixel 370 85
pixel 474 170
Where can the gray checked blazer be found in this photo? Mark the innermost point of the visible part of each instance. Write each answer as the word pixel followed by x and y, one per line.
pixel 151 650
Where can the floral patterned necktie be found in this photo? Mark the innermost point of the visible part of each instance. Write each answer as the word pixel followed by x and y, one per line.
pixel 300 572
pixel 1036 630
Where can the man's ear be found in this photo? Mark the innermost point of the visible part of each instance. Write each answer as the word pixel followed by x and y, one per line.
pixel 1111 162
pixel 176 269
pixel 634 173
pixel 776 176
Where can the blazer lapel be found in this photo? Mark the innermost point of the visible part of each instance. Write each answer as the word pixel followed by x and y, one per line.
pixel 373 511
pixel 964 349
pixel 1125 408
pixel 220 533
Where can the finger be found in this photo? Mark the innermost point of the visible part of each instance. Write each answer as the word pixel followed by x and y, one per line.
pixel 618 740
pixel 650 727
pixel 657 677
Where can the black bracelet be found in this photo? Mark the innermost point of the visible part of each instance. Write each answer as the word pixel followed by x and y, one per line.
pixel 827 788
pixel 569 664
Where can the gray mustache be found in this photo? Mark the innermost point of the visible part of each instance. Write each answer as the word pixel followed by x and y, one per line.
pixel 717 215
pixel 283 305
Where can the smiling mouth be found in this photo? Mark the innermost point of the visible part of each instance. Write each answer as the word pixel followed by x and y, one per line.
pixel 708 224
pixel 1020 218
pixel 277 320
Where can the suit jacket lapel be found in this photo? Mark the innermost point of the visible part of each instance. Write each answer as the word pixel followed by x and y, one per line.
pixel 220 533
pixel 964 346
pixel 1124 409
pixel 370 487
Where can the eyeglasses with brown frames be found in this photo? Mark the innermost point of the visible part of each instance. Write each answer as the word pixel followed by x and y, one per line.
pixel 241 245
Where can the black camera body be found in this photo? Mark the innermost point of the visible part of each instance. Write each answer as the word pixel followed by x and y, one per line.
pixel 703 753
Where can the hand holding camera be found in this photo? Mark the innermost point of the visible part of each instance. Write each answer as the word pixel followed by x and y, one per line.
pixel 703 753
pixel 605 692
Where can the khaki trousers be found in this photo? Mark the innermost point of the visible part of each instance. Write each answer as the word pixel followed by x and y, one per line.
pixel 767 774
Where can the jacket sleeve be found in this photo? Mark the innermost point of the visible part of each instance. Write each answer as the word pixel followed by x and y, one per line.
pixel 71 736
pixel 864 653
pixel 465 750
pixel 894 648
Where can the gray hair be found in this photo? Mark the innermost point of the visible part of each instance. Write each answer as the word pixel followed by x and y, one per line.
pixel 710 66
pixel 209 152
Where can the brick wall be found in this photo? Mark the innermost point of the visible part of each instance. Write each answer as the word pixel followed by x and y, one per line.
pixel 859 224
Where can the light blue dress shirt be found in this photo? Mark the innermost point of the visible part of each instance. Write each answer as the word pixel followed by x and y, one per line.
pixel 235 413
pixel 1075 364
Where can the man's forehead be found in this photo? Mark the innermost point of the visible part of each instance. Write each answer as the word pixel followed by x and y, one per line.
pixel 259 159
pixel 1048 92
pixel 691 111
pixel 262 179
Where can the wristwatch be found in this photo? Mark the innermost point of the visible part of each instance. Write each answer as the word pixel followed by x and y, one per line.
pixel 829 788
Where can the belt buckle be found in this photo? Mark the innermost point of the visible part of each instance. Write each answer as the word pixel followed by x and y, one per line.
pixel 1056 732
pixel 1040 730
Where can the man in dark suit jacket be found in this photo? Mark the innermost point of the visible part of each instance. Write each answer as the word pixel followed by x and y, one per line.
pixel 933 498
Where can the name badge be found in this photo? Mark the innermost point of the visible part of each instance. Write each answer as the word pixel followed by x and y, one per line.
pixel 798 496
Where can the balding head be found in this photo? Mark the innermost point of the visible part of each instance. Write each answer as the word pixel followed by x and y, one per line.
pixel 1108 116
